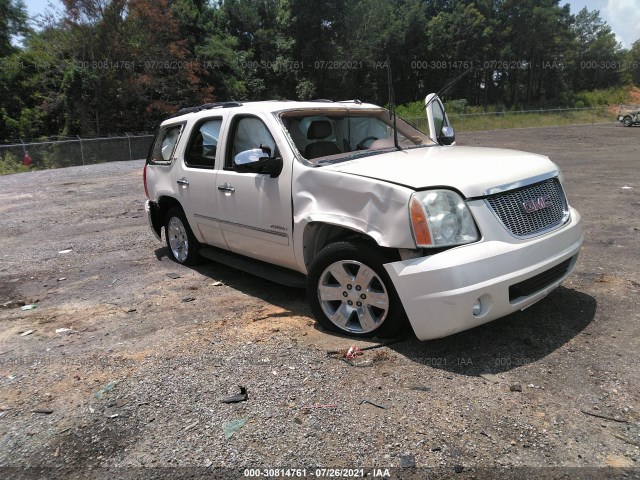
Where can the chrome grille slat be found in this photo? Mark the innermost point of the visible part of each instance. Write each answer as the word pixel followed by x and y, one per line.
pixel 508 207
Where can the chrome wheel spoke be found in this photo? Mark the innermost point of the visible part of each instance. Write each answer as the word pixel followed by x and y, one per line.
pixel 342 315
pixel 378 299
pixel 330 293
pixel 338 272
pixel 367 321
pixel 365 276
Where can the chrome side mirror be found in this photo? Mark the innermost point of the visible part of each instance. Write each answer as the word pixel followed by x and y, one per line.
pixel 447 136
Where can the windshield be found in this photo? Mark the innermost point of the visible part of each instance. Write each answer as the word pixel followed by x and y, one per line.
pixel 338 135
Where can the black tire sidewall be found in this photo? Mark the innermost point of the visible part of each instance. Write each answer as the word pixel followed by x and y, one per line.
pixel 193 257
pixel 396 318
pixel 627 121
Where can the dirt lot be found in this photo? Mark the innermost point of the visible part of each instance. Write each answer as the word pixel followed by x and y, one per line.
pixel 137 380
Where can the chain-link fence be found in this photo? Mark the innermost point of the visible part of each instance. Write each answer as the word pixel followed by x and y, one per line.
pixel 76 151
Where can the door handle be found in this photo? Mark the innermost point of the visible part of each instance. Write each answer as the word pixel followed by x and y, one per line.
pixel 183 181
pixel 226 188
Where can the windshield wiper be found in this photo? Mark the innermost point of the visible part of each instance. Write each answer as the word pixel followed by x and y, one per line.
pixel 392 104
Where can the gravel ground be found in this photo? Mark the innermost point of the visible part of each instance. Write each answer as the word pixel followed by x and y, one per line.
pixel 133 388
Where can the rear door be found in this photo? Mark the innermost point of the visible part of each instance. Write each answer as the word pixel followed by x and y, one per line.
pixel 197 183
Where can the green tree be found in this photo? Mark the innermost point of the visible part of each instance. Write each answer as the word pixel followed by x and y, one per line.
pixel 596 54
pixel 632 63
pixel 13 21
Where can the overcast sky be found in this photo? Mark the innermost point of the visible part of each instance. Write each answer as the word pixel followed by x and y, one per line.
pixel 622 15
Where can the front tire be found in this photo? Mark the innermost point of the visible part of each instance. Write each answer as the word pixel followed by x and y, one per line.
pixel 627 121
pixel 350 292
pixel 181 241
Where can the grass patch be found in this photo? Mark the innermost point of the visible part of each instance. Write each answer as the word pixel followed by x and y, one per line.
pixel 9 164
pixel 474 122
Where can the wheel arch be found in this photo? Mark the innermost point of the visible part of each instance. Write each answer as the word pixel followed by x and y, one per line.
pixel 319 234
pixel 166 203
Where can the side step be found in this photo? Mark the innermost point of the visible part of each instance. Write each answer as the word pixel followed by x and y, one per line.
pixel 281 275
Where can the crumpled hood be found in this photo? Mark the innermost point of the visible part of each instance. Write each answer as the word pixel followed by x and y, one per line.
pixel 471 170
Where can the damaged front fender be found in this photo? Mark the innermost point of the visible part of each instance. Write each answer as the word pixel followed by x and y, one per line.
pixel 370 207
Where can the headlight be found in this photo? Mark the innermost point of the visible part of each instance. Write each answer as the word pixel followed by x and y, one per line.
pixel 440 218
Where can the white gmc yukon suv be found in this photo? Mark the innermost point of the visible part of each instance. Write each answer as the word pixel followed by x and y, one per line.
pixel 381 224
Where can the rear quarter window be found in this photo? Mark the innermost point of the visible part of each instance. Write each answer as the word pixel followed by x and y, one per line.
pixel 164 145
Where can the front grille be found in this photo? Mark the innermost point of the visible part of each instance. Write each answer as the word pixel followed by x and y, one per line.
pixel 511 208
pixel 540 281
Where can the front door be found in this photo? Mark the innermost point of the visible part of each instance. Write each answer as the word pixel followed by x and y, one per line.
pixel 255 209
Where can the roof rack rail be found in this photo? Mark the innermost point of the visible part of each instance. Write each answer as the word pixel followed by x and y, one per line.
pixel 321 100
pixel 354 100
pixel 206 106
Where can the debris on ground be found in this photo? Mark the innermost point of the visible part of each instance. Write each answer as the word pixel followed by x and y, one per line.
pixel 217 284
pixel 129 310
pixel 353 352
pixel 343 352
pixel 381 356
pixel 173 276
pixel 516 387
pixel 28 332
pixel 62 279
pixel 308 408
pixel 187 299
pixel 191 425
pixel 237 398
pixel 626 439
pixel 65 330
pixel 229 428
pixel 45 411
pixel 421 388
pixel 31 306
pixel 108 387
pixel 68 250
pixel 379 405
pixel 407 461
pixel 13 304
pixel 489 377
pixel 605 417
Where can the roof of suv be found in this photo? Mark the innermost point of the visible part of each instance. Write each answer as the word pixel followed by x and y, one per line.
pixel 269 106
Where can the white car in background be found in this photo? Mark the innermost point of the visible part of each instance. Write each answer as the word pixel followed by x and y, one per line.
pixel 380 225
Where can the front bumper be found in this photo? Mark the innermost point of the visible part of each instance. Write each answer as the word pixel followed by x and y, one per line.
pixel 153 217
pixel 438 292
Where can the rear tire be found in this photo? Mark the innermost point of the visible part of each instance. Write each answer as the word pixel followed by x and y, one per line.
pixel 181 241
pixel 627 121
pixel 350 292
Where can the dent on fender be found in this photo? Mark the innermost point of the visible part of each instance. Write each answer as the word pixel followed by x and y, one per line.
pixel 335 197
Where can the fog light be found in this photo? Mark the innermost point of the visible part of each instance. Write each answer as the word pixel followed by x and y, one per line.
pixel 477 308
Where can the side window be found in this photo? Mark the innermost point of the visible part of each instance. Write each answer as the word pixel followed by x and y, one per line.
pixel 249 133
pixel 203 144
pixel 165 143
pixel 439 118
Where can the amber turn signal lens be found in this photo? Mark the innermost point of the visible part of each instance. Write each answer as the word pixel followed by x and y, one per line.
pixel 419 223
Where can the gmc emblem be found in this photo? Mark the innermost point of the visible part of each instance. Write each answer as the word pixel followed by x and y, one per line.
pixel 535 204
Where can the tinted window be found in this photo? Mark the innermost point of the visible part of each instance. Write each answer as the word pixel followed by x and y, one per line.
pixel 250 133
pixel 203 144
pixel 165 143
pixel 438 119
